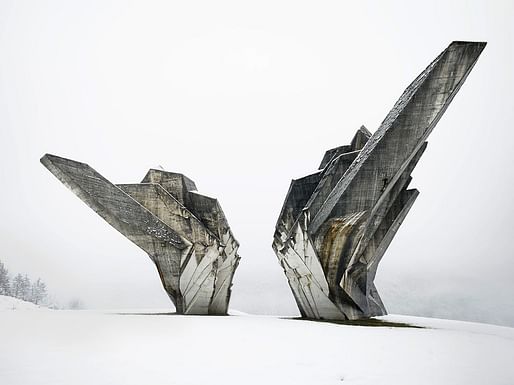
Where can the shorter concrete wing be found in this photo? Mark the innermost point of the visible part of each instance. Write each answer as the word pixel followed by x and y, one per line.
pixel 183 232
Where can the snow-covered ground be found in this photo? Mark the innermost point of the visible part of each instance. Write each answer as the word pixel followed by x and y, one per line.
pixel 11 303
pixel 88 347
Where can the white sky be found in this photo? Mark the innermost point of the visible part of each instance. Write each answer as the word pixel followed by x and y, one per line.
pixel 241 97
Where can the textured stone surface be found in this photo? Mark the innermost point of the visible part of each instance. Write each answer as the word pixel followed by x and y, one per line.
pixel 184 233
pixel 336 224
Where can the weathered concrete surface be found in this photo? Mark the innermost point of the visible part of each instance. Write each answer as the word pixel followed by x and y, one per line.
pixel 336 224
pixel 185 234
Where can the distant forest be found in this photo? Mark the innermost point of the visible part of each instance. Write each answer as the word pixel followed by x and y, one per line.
pixel 22 287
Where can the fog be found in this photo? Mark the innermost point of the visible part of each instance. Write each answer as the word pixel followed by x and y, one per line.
pixel 242 98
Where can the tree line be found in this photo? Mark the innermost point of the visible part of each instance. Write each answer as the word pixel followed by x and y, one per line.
pixel 22 287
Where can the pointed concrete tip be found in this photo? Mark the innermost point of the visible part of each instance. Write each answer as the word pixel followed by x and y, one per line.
pixel 480 45
pixel 51 157
pixel 360 138
pixel 46 159
pixel 50 160
pixel 364 130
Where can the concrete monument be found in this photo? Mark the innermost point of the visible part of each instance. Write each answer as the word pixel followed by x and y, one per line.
pixel 336 224
pixel 183 232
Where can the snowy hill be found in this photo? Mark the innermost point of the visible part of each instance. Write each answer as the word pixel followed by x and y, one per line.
pixel 11 303
pixel 87 347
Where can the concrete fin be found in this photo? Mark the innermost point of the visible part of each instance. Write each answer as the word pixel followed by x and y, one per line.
pixel 360 139
pixel 299 193
pixel 122 212
pixel 329 179
pixel 401 133
pixel 176 184
pixel 209 211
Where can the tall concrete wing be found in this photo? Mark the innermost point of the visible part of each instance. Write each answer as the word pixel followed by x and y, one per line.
pixel 183 232
pixel 337 223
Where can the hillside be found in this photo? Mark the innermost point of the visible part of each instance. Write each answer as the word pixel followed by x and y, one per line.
pixel 11 303
pixel 88 347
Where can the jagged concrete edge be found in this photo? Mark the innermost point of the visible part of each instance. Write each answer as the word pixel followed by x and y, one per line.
pixel 295 184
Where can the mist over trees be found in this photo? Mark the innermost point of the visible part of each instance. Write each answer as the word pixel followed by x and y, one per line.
pixel 75 304
pixel 22 287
